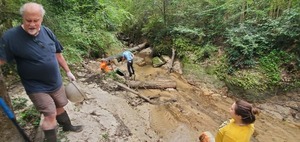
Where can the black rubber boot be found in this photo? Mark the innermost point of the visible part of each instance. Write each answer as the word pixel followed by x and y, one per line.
pixel 64 121
pixel 50 135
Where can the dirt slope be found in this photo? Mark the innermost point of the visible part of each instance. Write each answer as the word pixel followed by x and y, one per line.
pixel 113 115
pixel 181 115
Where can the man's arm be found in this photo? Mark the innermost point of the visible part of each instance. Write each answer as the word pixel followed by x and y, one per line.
pixel 62 62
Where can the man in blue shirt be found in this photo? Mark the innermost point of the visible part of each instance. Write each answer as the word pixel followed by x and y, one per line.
pixel 129 57
pixel 38 55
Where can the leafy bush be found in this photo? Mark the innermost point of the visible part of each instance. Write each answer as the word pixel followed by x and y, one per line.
pixel 287 30
pixel 19 103
pixel 246 43
pixel 194 53
pixel 29 116
pixel 247 79
pixel 254 39
pixel 272 66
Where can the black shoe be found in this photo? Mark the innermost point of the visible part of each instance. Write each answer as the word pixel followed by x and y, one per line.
pixel 72 128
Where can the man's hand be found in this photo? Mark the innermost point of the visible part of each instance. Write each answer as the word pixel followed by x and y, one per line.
pixel 71 76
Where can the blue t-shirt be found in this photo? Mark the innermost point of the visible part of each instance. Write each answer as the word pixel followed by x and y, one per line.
pixel 35 57
pixel 127 55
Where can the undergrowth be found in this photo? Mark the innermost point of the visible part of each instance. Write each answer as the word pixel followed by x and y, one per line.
pixel 259 82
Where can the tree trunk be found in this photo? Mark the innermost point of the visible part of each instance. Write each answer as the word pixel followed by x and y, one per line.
pixel 172 60
pixel 289 4
pixel 134 92
pixel 8 131
pixel 242 17
pixel 136 48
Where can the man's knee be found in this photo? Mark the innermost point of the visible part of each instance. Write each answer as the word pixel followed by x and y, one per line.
pixel 49 122
pixel 50 117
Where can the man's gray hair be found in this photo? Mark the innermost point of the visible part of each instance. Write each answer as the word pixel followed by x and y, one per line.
pixel 23 8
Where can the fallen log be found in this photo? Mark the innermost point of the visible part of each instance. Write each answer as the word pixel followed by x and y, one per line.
pixel 136 48
pixel 134 92
pixel 155 84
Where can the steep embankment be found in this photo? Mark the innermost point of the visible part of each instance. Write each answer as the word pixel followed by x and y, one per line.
pixel 180 114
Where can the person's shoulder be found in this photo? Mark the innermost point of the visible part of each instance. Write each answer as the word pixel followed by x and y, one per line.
pixel 251 126
pixel 12 31
pixel 47 29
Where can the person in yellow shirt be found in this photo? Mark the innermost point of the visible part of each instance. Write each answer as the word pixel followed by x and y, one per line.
pixel 240 127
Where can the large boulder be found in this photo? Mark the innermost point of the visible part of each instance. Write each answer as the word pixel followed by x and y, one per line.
pixel 139 61
pixel 157 62
pixel 147 52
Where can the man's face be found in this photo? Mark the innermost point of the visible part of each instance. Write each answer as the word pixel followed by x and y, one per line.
pixel 32 20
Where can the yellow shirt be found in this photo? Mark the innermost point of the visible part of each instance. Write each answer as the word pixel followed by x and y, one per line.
pixel 234 133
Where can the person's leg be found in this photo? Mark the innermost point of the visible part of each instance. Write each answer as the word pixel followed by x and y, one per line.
pixel 128 68
pixel 62 117
pixel 132 70
pixel 64 121
pixel 131 66
pixel 45 105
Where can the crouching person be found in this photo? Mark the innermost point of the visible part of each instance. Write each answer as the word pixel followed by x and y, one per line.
pixel 106 66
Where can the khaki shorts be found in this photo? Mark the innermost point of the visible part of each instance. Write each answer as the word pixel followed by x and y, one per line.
pixel 46 103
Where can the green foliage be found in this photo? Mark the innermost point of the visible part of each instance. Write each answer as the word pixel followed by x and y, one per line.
pixel 154 29
pixel 183 46
pixel 29 116
pixel 260 35
pixel 86 28
pixel 105 136
pixel 253 40
pixel 10 70
pixel 246 44
pixel 287 30
pixel 247 79
pixel 114 76
pixel 195 35
pixel 19 103
pixel 195 53
pixel 271 66
pixel 219 66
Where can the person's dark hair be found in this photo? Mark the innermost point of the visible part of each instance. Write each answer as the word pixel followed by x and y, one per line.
pixel 246 111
